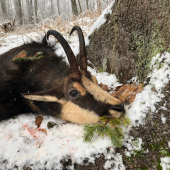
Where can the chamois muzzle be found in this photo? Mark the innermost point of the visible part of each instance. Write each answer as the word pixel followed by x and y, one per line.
pixel 118 108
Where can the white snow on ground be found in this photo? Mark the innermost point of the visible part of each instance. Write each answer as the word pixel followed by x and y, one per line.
pixel 7 43
pixel 165 163
pixel 22 143
pixel 118 162
pixel 152 93
pixel 105 78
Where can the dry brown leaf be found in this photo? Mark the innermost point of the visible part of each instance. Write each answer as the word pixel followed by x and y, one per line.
pixel 43 130
pixel 104 87
pixel 63 29
pixel 127 92
pixel 38 120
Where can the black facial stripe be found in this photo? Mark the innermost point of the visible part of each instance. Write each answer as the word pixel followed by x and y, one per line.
pixel 88 102
pixel 49 108
pixel 118 108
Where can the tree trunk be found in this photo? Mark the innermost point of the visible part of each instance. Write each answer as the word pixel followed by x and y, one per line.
pixel 87 4
pixel 134 33
pixel 10 10
pixel 36 10
pixel 80 6
pixel 20 12
pixel 74 7
pixel 58 5
pixel 4 9
pixel 30 10
pixel 43 5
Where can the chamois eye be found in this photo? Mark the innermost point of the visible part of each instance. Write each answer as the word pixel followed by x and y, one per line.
pixel 73 93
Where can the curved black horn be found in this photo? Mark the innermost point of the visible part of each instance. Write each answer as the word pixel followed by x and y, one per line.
pixel 83 54
pixel 75 73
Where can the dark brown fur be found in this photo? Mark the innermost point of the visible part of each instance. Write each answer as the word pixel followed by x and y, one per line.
pixel 48 76
pixel 27 77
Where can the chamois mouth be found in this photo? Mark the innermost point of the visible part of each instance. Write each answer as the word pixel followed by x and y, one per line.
pixel 118 108
pixel 117 111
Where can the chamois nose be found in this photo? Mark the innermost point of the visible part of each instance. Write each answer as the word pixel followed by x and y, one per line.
pixel 118 108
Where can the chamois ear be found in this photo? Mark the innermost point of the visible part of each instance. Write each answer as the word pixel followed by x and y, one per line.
pixel 51 95
pixel 40 97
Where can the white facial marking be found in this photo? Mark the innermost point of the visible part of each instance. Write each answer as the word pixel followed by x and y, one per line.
pixel 115 113
pixel 99 93
pixel 45 98
pixel 74 113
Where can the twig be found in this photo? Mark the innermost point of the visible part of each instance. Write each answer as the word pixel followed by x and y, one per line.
pixel 143 163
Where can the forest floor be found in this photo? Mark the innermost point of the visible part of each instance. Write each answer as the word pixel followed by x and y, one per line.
pixel 24 145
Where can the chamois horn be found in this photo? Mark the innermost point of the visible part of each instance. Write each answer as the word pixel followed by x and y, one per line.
pixel 75 73
pixel 83 54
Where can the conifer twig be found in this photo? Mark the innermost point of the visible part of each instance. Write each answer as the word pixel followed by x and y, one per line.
pixel 107 126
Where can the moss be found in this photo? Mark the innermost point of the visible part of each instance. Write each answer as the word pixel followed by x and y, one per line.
pixel 100 70
pixel 142 37
pixel 146 47
pixel 136 154
pixel 104 64
pixel 138 31
pixel 160 148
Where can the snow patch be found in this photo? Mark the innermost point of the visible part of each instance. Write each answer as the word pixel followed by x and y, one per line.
pixel 163 119
pixel 99 22
pixel 117 162
pixel 165 163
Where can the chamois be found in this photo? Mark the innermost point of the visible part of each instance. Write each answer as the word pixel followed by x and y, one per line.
pixel 33 79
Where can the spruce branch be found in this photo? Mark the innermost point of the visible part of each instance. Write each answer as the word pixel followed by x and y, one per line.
pixel 107 126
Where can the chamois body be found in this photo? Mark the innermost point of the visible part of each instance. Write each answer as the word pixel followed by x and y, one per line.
pixel 29 77
pixel 49 86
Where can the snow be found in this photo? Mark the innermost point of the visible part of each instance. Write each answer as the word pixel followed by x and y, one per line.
pixel 100 21
pixel 117 162
pixel 165 163
pixel 152 93
pixel 105 78
pixel 163 119
pixel 22 143
pixel 13 41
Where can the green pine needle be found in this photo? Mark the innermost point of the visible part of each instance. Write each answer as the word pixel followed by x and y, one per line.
pixel 107 126
pixel 23 57
pixel 26 59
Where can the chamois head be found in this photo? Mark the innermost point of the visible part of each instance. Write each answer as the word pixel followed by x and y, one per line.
pixel 77 96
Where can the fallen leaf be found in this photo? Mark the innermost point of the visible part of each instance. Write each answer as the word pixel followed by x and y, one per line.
pixel 104 87
pixel 38 120
pixel 43 130
pixel 127 92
